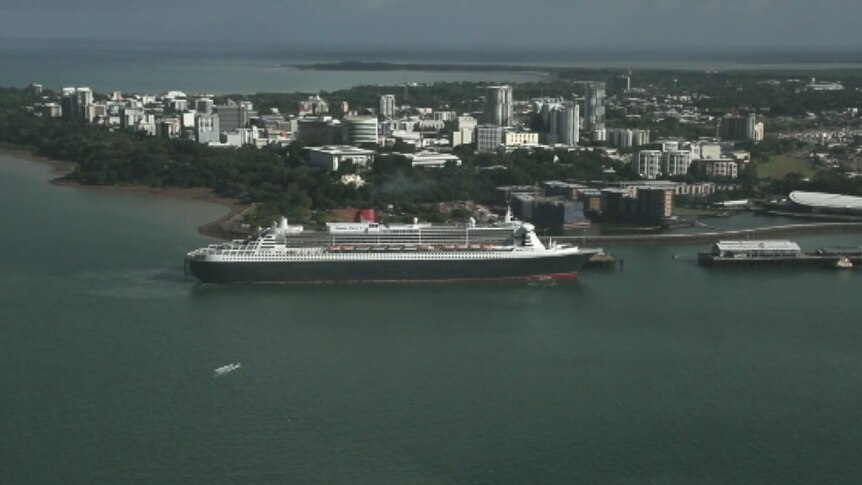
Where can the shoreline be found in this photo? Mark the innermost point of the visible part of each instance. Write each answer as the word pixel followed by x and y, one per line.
pixel 227 227
pixel 221 228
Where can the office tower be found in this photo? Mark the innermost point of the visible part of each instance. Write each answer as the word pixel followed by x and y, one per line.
pixel 565 123
pixel 204 105
pixel 594 107
pixel 499 107
pixel 207 128
pixel 232 117
pixel 387 106
pixel 74 103
pixel 741 128
pixel 488 138
pixel 357 130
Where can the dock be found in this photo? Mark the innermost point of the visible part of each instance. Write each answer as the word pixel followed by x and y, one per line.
pixel 808 259
pixel 777 252
pixel 750 233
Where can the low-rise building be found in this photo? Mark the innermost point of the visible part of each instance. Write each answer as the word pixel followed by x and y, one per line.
pixel 431 159
pixel 756 249
pixel 332 156
pixel 724 168
pixel 513 138
pixel 556 188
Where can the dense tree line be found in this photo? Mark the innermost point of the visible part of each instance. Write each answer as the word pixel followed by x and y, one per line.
pixel 277 179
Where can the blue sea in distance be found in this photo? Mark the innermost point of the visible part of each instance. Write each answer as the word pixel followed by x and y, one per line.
pixel 156 68
pixel 664 372
pixel 249 68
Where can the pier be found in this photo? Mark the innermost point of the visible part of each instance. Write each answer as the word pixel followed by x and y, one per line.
pixel 752 233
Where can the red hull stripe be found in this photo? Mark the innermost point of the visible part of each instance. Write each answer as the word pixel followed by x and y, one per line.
pixel 539 277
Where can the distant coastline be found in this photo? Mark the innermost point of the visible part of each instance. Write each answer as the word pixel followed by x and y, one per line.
pixel 429 67
pixel 221 228
pixel 575 68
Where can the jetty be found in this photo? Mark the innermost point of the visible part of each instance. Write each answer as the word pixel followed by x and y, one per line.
pixel 777 252
pixel 751 233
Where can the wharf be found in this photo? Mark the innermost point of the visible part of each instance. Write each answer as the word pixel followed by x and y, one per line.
pixel 752 233
pixel 808 259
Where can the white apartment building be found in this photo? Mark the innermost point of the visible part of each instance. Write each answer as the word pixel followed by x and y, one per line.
pixel 676 162
pixel 648 163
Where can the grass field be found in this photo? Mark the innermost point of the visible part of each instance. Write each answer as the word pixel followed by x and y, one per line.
pixel 780 165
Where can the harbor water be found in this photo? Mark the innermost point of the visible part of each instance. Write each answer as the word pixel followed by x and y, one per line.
pixel 663 372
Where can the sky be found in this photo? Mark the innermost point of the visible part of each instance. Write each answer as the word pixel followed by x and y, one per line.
pixel 448 24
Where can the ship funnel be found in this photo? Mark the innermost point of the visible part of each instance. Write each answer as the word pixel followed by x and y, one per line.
pixel 472 222
pixel 508 217
pixel 283 223
pixel 415 221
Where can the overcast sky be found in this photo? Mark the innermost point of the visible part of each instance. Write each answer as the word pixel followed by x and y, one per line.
pixel 563 24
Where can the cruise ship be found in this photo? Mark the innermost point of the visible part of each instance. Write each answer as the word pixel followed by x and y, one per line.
pixel 368 252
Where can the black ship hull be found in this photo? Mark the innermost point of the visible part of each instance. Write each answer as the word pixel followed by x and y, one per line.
pixel 391 271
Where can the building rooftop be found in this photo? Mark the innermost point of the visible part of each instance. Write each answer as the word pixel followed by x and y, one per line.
pixel 758 245
pixel 830 201
pixel 341 150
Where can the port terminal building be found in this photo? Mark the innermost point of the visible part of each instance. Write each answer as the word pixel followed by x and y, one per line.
pixel 756 249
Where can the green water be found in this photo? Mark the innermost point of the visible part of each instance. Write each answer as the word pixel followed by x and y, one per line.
pixel 110 70
pixel 663 373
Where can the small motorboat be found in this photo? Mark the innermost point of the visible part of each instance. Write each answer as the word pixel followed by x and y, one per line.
pixel 226 369
pixel 844 263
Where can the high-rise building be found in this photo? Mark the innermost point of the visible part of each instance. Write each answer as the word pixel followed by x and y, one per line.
pixel 74 103
pixel 640 137
pixel 676 162
pixel 565 123
pixel 204 105
pixel 387 106
pixel 499 106
pixel 648 163
pixel 741 128
pixel 594 107
pixel 314 105
pixel 488 138
pixel 621 138
pixel 232 117
pixel 207 128
pixel 315 131
pixel 358 130
pixel 627 138
pixel 654 203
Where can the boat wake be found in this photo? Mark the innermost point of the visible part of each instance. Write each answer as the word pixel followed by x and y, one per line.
pixel 546 282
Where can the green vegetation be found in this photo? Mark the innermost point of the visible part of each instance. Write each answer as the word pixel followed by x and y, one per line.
pixel 778 166
pixel 278 180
